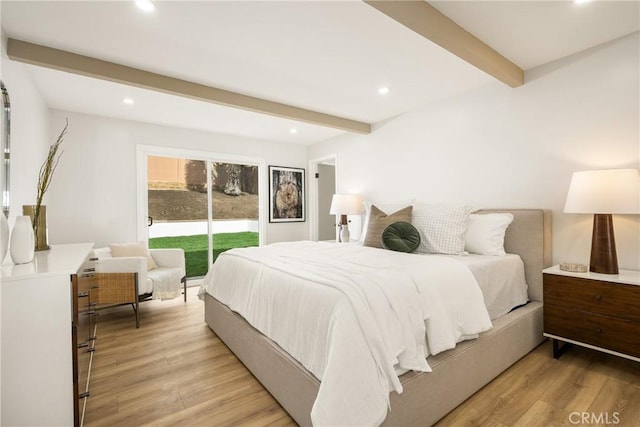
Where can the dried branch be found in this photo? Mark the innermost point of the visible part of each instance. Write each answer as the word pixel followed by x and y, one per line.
pixel 46 172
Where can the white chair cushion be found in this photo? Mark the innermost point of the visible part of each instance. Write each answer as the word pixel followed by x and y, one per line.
pixel 102 253
pixel 132 250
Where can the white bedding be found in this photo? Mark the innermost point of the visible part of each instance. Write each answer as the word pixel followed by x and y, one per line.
pixel 351 315
pixel 501 279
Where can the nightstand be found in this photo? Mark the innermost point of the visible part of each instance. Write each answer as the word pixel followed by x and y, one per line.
pixel 598 311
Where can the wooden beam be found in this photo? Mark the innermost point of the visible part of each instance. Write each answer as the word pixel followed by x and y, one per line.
pixel 92 67
pixel 432 24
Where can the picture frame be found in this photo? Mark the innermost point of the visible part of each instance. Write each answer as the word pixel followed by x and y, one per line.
pixel 286 194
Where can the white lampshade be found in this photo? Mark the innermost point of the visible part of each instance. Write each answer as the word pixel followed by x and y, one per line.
pixel 612 191
pixel 346 204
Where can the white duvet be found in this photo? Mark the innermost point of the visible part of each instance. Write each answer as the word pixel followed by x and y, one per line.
pixel 353 316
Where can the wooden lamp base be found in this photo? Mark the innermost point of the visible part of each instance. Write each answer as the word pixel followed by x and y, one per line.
pixel 344 236
pixel 604 258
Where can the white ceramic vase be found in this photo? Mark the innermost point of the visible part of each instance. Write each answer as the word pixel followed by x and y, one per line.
pixel 22 244
pixel 4 236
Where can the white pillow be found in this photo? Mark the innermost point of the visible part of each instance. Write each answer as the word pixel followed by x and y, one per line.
pixel 137 249
pixel 442 227
pixel 485 235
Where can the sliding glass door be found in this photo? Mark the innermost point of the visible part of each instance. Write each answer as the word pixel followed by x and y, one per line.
pixel 202 206
pixel 234 206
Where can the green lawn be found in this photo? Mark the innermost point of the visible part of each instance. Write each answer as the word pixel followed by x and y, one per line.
pixel 195 247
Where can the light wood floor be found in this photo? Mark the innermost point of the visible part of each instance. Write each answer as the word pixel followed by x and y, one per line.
pixel 174 371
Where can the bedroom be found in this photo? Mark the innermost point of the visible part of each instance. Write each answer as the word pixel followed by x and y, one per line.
pixel 502 147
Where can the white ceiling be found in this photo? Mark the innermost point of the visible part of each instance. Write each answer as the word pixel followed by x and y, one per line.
pixel 327 56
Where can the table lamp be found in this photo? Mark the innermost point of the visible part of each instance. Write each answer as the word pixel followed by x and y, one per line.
pixel 603 193
pixel 343 205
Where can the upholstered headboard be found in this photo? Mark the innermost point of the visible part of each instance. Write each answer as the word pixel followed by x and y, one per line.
pixel 529 236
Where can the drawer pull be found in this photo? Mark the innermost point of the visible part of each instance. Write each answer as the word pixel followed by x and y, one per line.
pixel 598 331
pixel 83 345
pixel 83 395
pixel 598 297
pixel 83 294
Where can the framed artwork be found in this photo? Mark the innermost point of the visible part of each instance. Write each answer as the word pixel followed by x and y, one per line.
pixel 286 194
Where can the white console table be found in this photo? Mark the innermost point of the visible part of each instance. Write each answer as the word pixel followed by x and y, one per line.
pixel 36 312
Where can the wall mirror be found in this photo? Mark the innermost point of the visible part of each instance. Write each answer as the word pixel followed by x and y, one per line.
pixel 6 148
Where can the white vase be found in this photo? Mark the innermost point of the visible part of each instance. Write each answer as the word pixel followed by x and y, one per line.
pixel 4 236
pixel 22 241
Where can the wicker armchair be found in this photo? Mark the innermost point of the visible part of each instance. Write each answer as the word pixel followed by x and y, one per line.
pixel 116 289
pixel 126 280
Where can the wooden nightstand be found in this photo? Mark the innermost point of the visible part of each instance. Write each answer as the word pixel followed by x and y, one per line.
pixel 599 311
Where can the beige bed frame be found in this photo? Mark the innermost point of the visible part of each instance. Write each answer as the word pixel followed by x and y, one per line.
pixel 457 373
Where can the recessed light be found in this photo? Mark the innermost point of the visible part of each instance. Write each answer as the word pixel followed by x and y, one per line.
pixel 146 5
pixel 383 90
pixel 581 1
pixel 293 130
pixel 127 101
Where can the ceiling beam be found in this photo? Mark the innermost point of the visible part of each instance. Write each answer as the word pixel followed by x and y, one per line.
pixel 92 67
pixel 432 24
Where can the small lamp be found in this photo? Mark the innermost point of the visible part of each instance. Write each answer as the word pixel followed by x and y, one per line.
pixel 343 205
pixel 602 193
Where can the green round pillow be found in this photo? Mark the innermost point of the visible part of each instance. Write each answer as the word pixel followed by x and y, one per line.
pixel 401 237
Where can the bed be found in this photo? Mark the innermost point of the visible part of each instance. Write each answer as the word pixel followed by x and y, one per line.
pixel 427 396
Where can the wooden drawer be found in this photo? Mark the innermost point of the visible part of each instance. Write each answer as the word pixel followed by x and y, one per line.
pixel 84 361
pixel 85 281
pixel 86 324
pixel 85 285
pixel 616 334
pixel 84 297
pixel 84 327
pixel 611 299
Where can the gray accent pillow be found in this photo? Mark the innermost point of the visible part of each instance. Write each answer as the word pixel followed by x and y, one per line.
pixel 379 220
pixel 401 237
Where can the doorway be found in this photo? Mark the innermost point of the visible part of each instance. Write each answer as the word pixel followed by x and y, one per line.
pixel 321 190
pixel 203 205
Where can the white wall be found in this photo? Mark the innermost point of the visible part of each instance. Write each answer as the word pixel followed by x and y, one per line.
pixel 30 137
pixel 93 193
pixel 502 147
